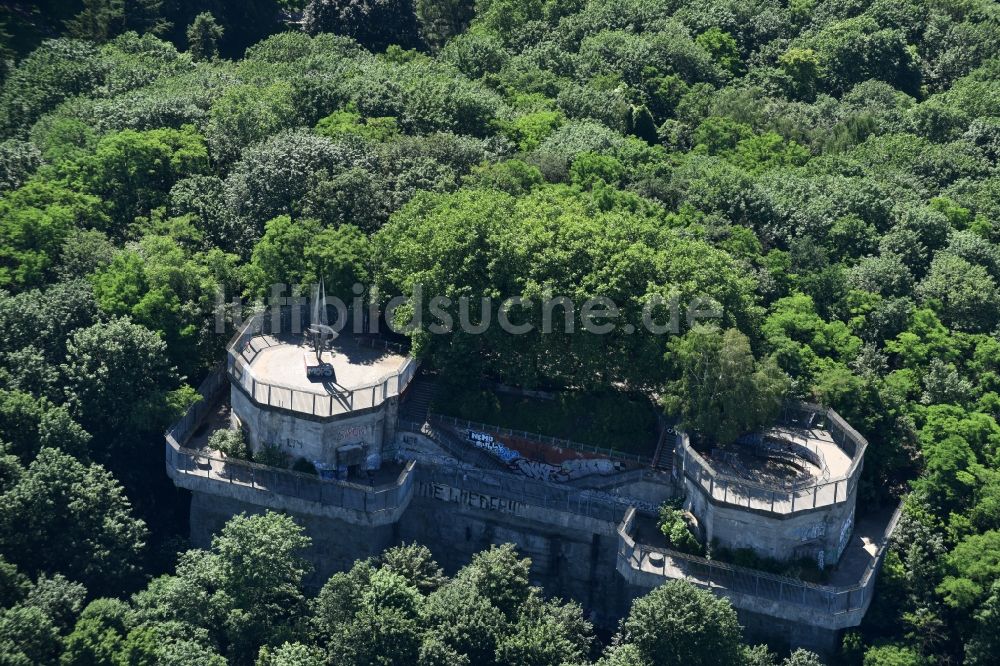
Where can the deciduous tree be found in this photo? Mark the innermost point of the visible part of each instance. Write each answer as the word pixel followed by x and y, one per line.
pixel 718 389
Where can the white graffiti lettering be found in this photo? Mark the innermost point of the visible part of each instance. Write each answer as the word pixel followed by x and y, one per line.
pixel 538 470
pixel 490 445
pixel 480 437
pixel 444 493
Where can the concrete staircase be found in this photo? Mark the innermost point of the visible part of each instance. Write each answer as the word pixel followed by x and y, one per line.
pixel 416 403
pixel 663 459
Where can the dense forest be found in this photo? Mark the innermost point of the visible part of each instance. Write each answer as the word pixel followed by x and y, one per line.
pixel 825 172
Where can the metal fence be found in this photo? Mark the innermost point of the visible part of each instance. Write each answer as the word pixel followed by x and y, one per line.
pixel 361 497
pixel 325 404
pixel 250 340
pixel 501 482
pixel 210 390
pixel 719 576
pixel 569 496
pixel 526 491
pixel 308 487
pixel 776 497
pixel 371 499
pixel 543 439
pixel 380 343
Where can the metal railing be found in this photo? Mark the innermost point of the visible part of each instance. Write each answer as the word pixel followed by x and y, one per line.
pixel 325 404
pixel 381 343
pixel 525 491
pixel 471 455
pixel 210 390
pixel 719 576
pixel 372 499
pixel 567 497
pixel 250 340
pixel 361 497
pixel 342 494
pixel 778 497
pixel 545 440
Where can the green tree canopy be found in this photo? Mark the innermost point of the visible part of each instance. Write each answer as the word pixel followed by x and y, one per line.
pixel 64 516
pixel 719 390
pixel 678 624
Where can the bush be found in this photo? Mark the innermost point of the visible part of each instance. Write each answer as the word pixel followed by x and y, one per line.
pixel 271 456
pixel 682 539
pixel 674 525
pixel 230 442
pixel 803 568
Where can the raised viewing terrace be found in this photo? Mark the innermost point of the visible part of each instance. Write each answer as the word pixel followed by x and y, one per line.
pixel 812 458
pixel 192 467
pixel 268 364
pixel 770 486
pixel 839 604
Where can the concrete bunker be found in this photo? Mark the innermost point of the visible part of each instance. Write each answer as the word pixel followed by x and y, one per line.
pixel 403 475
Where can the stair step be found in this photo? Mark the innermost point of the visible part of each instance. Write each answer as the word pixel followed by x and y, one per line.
pixel 418 399
pixel 663 458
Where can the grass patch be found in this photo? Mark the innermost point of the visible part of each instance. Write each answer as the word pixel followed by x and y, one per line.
pixel 609 419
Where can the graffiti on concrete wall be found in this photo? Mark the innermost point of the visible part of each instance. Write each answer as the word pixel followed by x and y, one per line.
pixel 351 433
pixel 488 443
pixel 533 469
pixel 539 470
pixel 481 437
pixel 444 493
pixel 811 532
pixel 845 534
pixel 289 445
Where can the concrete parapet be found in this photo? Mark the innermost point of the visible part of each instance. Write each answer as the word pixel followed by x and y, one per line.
pixel 285 490
pixel 820 534
pixel 276 488
pixel 314 439
pixel 256 340
pixel 527 499
pixel 720 488
pixel 829 607
pixel 811 518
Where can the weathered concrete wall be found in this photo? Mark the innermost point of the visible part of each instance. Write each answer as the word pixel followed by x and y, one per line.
pixel 819 533
pixel 574 551
pixel 312 438
pixel 778 632
pixel 572 556
pixel 786 635
pixel 566 560
pixel 339 503
pixel 336 543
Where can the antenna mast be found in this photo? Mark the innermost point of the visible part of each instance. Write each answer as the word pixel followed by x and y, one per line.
pixel 319 329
